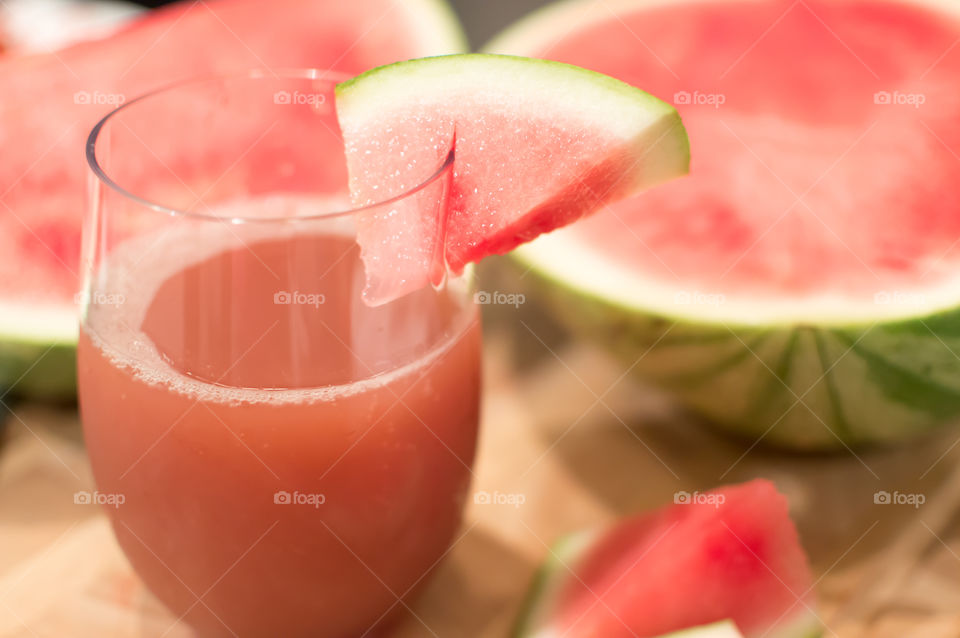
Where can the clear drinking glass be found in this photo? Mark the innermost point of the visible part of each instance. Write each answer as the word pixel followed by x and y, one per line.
pixel 286 460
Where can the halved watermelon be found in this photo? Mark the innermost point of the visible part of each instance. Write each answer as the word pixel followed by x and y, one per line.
pixel 802 285
pixel 538 145
pixel 40 26
pixel 732 553
pixel 50 103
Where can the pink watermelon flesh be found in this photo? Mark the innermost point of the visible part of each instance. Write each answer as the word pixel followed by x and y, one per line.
pixel 477 221
pixel 43 129
pixel 522 167
pixel 688 565
pixel 799 118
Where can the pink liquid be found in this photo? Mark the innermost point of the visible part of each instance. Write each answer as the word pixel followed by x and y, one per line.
pixel 297 467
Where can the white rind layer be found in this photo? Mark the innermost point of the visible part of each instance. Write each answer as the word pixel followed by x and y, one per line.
pixel 563 257
pixel 436 25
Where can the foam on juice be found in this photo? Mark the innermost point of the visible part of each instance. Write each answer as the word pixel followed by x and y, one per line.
pixel 133 274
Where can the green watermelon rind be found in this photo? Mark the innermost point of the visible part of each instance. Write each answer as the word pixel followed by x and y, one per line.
pixel 356 88
pixel 860 385
pixel 862 381
pixel 548 579
pixel 533 618
pixel 46 371
pixel 38 351
pixel 38 346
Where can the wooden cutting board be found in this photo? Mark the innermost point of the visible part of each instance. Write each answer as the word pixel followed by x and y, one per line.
pixel 582 445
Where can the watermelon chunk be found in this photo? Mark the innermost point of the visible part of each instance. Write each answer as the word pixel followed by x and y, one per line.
pixel 732 553
pixel 50 102
pixel 538 145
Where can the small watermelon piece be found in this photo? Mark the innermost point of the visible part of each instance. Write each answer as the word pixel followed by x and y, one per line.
pixel 538 145
pixel 732 553
pixel 51 102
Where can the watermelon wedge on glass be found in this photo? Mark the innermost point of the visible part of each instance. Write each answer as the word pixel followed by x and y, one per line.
pixel 728 554
pixel 537 145
pixel 50 103
pixel 802 286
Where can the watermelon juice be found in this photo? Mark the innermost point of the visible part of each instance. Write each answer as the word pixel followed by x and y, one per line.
pixel 292 460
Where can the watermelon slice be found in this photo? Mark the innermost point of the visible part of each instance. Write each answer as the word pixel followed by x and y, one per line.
pixel 50 103
pixel 732 553
pixel 802 285
pixel 538 145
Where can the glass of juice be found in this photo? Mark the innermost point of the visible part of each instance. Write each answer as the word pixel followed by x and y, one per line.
pixel 287 460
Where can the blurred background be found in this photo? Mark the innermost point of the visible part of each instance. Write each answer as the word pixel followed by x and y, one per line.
pixel 481 18
pixel 42 25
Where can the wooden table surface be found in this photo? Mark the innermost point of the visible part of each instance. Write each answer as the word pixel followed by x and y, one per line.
pixel 584 445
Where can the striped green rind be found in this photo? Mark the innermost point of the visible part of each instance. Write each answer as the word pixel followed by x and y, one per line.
pixel 547 582
pixel 46 371
pixel 797 386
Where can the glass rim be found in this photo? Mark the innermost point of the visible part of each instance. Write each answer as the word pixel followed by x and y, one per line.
pixel 333 77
